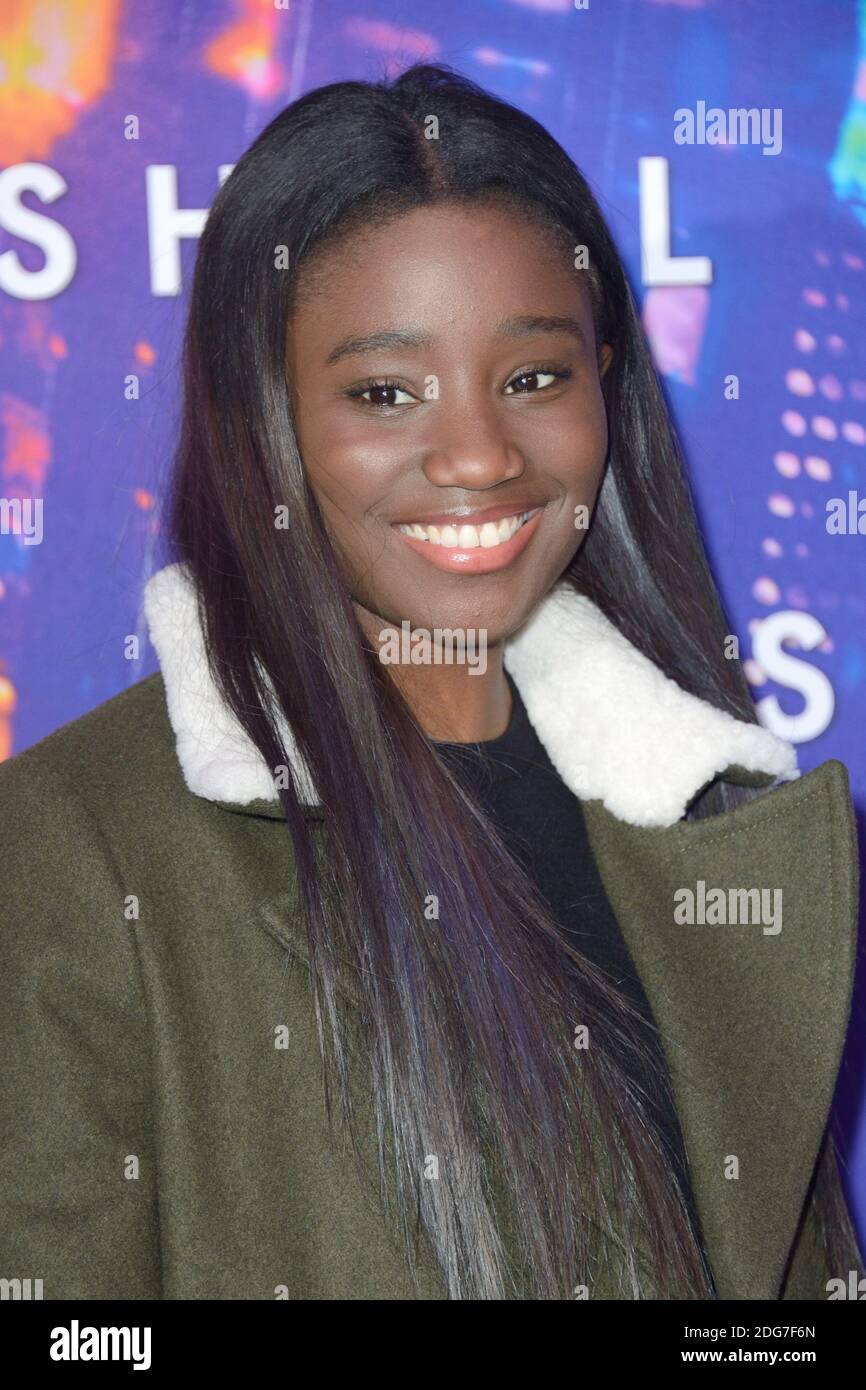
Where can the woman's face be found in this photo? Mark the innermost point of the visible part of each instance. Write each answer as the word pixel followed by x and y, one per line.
pixel 445 384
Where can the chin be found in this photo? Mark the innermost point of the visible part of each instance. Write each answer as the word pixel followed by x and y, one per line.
pixel 498 610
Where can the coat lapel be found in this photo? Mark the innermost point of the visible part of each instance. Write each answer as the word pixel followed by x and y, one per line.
pixel 753 1022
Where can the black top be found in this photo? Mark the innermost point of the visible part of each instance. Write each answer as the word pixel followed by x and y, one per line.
pixel 542 824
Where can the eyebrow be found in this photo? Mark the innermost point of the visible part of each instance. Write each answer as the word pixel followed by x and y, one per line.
pixel 519 326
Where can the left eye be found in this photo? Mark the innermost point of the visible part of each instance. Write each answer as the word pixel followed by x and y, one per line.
pixel 545 375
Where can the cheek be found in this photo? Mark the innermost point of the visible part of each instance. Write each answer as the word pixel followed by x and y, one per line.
pixel 585 479
pixel 585 439
pixel 347 477
pixel 350 481
pixel 568 442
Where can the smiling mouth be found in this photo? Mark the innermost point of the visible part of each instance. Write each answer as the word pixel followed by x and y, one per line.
pixel 479 548
pixel 465 537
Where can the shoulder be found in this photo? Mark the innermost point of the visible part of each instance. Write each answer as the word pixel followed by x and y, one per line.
pixel 98 814
pixel 73 803
pixel 100 761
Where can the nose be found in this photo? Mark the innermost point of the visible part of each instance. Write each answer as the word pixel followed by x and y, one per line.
pixel 473 457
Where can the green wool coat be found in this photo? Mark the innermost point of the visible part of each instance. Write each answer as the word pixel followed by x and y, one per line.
pixel 155 1143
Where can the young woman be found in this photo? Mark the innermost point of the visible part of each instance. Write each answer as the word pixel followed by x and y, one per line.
pixel 364 951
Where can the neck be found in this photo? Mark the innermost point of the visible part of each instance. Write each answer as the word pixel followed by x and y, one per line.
pixel 464 699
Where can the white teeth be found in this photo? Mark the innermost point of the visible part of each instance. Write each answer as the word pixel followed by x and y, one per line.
pixel 468 537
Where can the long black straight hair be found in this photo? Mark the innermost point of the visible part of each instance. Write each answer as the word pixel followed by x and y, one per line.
pixel 460 1031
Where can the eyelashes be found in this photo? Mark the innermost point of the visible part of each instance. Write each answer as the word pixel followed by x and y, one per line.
pixel 386 384
pixel 560 373
pixel 377 383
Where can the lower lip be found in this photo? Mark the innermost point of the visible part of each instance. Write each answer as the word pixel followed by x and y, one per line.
pixel 480 559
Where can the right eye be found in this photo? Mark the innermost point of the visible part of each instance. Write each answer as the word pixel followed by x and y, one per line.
pixel 381 386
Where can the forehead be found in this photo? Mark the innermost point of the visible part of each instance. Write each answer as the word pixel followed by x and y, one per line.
pixel 441 265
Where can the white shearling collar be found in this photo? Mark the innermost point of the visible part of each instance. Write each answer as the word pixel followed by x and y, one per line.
pixel 615 727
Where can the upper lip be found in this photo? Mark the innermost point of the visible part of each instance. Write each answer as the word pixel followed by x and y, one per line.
pixel 470 516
